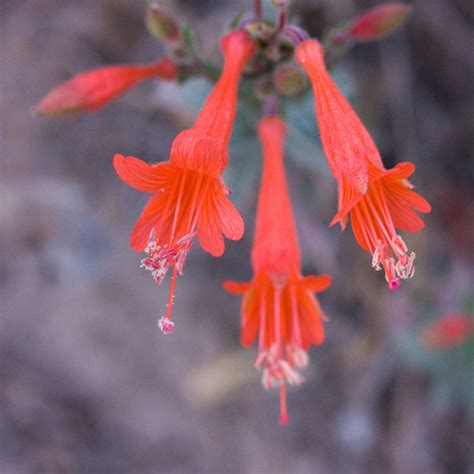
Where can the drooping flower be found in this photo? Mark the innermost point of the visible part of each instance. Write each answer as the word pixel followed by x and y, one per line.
pixel 378 200
pixel 448 332
pixel 278 303
pixel 189 195
pixel 91 90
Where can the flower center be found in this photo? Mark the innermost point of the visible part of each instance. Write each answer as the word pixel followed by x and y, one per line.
pixel 389 251
pixel 281 356
pixel 171 239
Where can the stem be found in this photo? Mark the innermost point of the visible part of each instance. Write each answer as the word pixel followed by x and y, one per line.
pixel 282 20
pixel 282 17
pixel 258 9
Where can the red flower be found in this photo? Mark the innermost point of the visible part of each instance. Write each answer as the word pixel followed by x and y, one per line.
pixel 378 200
pixel 278 303
pixel 189 195
pixel 448 331
pixel 93 89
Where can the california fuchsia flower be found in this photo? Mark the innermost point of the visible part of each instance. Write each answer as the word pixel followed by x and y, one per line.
pixel 378 200
pixel 189 195
pixel 278 303
pixel 93 89
pixel 448 332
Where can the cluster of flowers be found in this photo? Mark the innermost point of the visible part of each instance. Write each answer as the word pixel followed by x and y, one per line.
pixel 189 199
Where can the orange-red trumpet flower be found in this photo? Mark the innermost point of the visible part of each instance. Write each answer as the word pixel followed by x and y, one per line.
pixel 189 195
pixel 379 201
pixel 278 303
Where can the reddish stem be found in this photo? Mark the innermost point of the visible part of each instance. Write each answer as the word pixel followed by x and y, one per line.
pixel 282 20
pixel 258 9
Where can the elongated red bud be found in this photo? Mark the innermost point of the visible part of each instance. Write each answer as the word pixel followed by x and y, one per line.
pixel 379 22
pixel 91 90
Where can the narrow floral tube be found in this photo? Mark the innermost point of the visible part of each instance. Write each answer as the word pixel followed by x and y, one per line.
pixel 379 201
pixel 279 303
pixel 92 90
pixel 189 196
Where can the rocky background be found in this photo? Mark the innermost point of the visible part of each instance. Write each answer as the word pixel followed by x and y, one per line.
pixel 88 384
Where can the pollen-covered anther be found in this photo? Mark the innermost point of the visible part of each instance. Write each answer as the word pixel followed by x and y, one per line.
pixel 160 259
pixel 166 325
pixel 405 266
pixel 183 246
pixel 276 370
pixel 376 259
pixel 297 356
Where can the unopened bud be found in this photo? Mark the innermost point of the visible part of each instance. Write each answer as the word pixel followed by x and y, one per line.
pixel 379 22
pixel 281 4
pixel 162 24
pixel 91 90
pixel 259 30
pixel 289 80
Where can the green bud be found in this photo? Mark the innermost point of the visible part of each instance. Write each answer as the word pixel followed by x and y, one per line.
pixel 289 79
pixel 162 24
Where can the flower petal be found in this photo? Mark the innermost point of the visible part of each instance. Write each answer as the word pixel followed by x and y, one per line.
pixel 250 319
pixel 316 284
pixel 149 218
pixel 230 221
pixel 209 234
pixel 195 151
pixel 141 175
pixel 311 316
pixel 236 288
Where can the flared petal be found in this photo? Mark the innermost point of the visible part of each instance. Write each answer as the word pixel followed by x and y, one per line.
pixel 236 288
pixel 209 233
pixel 348 197
pixel 250 317
pixel 149 219
pixel 312 317
pixel 230 221
pixel 141 175
pixel 316 284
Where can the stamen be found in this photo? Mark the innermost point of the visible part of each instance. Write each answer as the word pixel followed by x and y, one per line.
pixel 201 202
pixel 262 317
pixel 294 318
pixel 388 249
pixel 276 370
pixel 171 295
pixel 297 356
pixel 178 206
pixel 283 410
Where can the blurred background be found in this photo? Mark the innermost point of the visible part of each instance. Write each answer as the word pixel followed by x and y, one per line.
pixel 88 384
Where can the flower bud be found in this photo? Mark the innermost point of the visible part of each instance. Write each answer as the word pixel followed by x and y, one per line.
pixel 259 30
pixel 91 90
pixel 162 24
pixel 281 4
pixel 379 21
pixel 289 79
